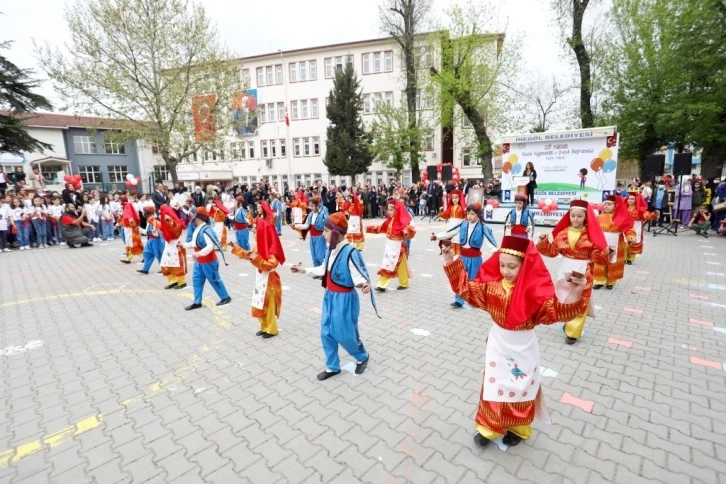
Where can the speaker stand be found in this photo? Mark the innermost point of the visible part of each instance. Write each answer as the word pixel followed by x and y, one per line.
pixel 672 227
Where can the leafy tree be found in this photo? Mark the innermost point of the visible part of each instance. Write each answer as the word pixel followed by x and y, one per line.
pixel 142 62
pixel 473 72
pixel 668 82
pixel 392 135
pixel 347 144
pixel 17 98
pixel 403 20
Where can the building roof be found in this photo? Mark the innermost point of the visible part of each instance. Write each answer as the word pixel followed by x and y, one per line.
pixel 64 121
pixel 356 43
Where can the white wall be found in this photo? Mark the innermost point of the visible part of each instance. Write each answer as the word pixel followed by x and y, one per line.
pixel 50 136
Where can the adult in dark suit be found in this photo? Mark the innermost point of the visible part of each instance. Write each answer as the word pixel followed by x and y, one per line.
pixel 159 197
pixel 532 185
pixel 198 197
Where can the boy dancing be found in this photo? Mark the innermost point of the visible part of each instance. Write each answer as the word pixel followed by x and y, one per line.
pixel 153 247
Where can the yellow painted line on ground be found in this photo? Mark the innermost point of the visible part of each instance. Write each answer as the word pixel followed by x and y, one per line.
pixel 76 294
pixel 54 440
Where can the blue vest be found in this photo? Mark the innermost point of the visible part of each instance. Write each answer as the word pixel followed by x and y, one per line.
pixel 202 243
pixel 241 216
pixel 339 272
pixel 526 217
pixel 320 221
pixel 478 235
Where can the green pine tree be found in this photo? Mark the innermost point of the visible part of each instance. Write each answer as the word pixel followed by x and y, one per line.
pixel 18 98
pixel 347 146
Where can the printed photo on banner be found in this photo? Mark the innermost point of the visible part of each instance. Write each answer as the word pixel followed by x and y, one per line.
pixel 244 112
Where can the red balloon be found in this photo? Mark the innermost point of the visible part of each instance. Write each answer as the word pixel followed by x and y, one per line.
pixel 77 177
pixel 506 167
pixel 77 185
pixel 493 203
pixel 596 164
pixel 553 206
pixel 68 179
pixel 546 209
pixel 541 203
pixel 128 184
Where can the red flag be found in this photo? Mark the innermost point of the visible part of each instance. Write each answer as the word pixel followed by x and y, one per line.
pixel 203 117
pixel 287 118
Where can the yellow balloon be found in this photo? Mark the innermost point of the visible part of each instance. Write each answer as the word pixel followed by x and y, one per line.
pixel 513 159
pixel 606 154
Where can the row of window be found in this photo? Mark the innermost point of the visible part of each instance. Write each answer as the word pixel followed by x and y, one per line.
pixel 304 71
pixel 93 174
pixel 86 145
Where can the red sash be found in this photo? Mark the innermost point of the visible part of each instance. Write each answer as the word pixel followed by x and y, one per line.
pixel 239 226
pixel 315 232
pixel 470 252
pixel 333 287
pixel 211 257
pixel 518 229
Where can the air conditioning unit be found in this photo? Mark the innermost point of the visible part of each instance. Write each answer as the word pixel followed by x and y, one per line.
pixel 433 154
pixel 268 162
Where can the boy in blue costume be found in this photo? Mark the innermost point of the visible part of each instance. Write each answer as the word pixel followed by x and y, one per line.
pixel 154 245
pixel 342 271
pixel 315 223
pixel 277 209
pixel 206 265
pixel 520 220
pixel 241 225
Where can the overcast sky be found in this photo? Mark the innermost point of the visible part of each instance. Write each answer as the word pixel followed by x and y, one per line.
pixel 257 27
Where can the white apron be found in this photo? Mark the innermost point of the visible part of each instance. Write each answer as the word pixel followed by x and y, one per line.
pixel 354 224
pixel 297 215
pixel 612 239
pixel 562 287
pixel 129 236
pixel 260 289
pixel 638 231
pixel 218 228
pixel 170 256
pixel 391 253
pixel 512 372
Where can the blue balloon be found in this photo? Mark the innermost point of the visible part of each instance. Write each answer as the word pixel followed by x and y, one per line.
pixel 610 166
pixel 516 169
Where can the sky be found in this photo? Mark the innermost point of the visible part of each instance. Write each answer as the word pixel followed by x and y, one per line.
pixel 251 28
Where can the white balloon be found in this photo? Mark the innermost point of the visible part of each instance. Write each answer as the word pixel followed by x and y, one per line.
pixel 130 177
pixel 134 182
pixel 489 208
pixel 548 201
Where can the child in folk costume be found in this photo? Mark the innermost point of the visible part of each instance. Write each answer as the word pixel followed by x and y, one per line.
pixel 454 214
pixel 342 271
pixel 241 225
pixel 617 224
pixel 471 238
pixel 520 220
pixel 516 289
pixel 218 212
pixel 355 233
pixel 580 240
pixel 266 256
pixel 174 255
pixel 298 211
pixel 398 228
pixel 277 210
pixel 638 209
pixel 315 224
pixel 132 237
pixel 153 247
pixel 206 265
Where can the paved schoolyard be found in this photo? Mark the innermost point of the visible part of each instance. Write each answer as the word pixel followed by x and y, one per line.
pixel 105 378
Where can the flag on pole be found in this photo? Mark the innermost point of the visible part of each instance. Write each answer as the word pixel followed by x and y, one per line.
pixel 287 118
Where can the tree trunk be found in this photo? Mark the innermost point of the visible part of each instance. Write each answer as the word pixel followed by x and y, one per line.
pixel 712 160
pixel 583 60
pixel 484 148
pixel 409 59
pixel 170 163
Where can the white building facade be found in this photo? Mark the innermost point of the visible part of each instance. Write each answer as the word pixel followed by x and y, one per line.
pixel 297 84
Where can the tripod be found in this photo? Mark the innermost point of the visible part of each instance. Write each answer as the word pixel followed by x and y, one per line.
pixel 672 227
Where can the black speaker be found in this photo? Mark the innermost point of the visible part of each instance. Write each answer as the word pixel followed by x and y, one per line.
pixel 654 166
pixel 446 173
pixel 431 173
pixel 682 164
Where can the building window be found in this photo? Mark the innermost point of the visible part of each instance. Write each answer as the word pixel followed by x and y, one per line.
pixel 269 75
pixel 298 180
pixel 90 174
pixel 468 159
pixel 117 174
pixel 210 156
pixel 50 172
pixel 293 72
pixel 337 62
pixel 428 140
pixel 283 149
pixel 371 100
pixel 306 146
pixel 304 109
pixel 251 150
pixel 376 62
pixel 265 149
pixel 263 113
pixel 84 145
pixel 246 78
pixel 423 100
pixel 303 71
pixel 313 70
pixel 270 113
pixel 236 151
pixel 281 111
pixel 273 148
pixel 114 148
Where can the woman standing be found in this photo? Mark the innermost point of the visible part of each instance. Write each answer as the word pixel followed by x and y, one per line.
pixel 530 172
pixel 684 194
pixel 580 240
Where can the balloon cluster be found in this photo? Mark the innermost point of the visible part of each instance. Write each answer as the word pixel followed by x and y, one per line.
pixel 548 205
pixel 512 165
pixel 74 180
pixel 491 205
pixel 605 163
pixel 598 207
pixel 131 181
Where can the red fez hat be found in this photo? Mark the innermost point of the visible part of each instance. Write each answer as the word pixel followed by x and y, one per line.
pixel 149 209
pixel 610 198
pixel 520 198
pixel 514 245
pixel 338 222
pixel 579 204
pixel 202 211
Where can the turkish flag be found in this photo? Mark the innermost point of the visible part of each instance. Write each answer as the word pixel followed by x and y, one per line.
pixel 287 118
